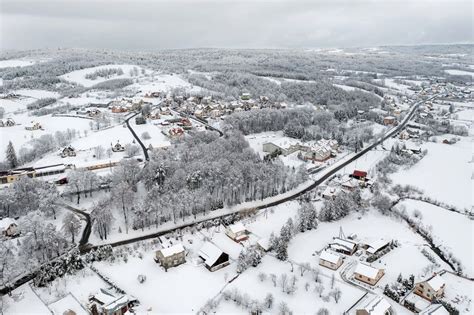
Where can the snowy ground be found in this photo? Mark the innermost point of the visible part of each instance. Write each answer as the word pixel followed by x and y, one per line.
pixel 459 72
pixel 444 173
pixel 15 63
pixel 22 301
pixel 459 292
pixel 461 243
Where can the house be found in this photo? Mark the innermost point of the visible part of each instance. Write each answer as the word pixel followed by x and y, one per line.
pixel 344 246
pixel 360 175
pixel 330 260
pixel 214 258
pixel 171 257
pixel 118 147
pixel 404 135
pixel 318 154
pixel 68 305
pixel 330 193
pixel 34 126
pixel 264 244
pixel 237 232
pixel 155 114
pixel 8 227
pixel 378 305
pixel 389 120
pixel 106 302
pixel 368 274
pixel 68 151
pixel 175 132
pixel 430 289
pixel 434 309
pixel 350 185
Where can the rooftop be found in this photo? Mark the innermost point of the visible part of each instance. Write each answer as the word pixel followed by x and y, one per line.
pixel 366 270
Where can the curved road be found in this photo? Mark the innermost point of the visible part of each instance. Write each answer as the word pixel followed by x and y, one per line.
pixel 316 183
pixel 145 150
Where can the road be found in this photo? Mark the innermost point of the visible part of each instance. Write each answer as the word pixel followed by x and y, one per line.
pixel 331 170
pixel 145 150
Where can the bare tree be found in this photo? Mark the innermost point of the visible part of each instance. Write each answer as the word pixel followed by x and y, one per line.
pixel 303 268
pixel 71 225
pixel 283 281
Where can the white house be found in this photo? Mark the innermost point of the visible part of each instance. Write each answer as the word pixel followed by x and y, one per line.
pixel 237 232
pixel 431 289
pixel 434 309
pixel 368 274
pixel 378 305
pixel 330 260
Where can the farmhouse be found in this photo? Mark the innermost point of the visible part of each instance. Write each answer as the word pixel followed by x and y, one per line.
pixel 330 260
pixel 344 246
pixel 107 303
pixel 68 151
pixel 368 274
pixel 118 147
pixel 430 289
pixel 376 306
pixel 8 227
pixel 214 258
pixel 171 257
pixel 237 232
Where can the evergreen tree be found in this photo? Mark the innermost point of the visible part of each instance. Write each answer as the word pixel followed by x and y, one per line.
pixel 11 155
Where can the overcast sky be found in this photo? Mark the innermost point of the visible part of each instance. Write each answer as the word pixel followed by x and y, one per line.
pixel 160 24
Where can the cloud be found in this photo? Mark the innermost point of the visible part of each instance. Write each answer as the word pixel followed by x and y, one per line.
pixel 147 24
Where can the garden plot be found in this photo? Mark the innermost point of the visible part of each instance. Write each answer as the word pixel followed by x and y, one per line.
pixel 460 243
pixel 23 301
pixel 79 76
pixel 299 302
pixel 459 292
pixel 85 145
pixel 444 173
pixel 183 289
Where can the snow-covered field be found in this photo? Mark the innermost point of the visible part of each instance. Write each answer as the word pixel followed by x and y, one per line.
pixel 459 72
pixel 15 63
pixel 444 174
pixel 79 76
pixel 460 243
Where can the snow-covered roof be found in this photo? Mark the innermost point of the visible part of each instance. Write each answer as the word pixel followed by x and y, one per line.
pixel 237 227
pixel 376 245
pixel 330 191
pixel 330 257
pixel 346 244
pixel 264 243
pixel 377 306
pixel 67 303
pixel 5 223
pixel 434 309
pixel 210 253
pixel 110 301
pixel 436 282
pixel 366 270
pixel 172 250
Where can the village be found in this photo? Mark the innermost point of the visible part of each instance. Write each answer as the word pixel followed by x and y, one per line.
pixel 361 229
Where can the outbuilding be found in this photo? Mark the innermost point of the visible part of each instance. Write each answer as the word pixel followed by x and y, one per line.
pixel 214 258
